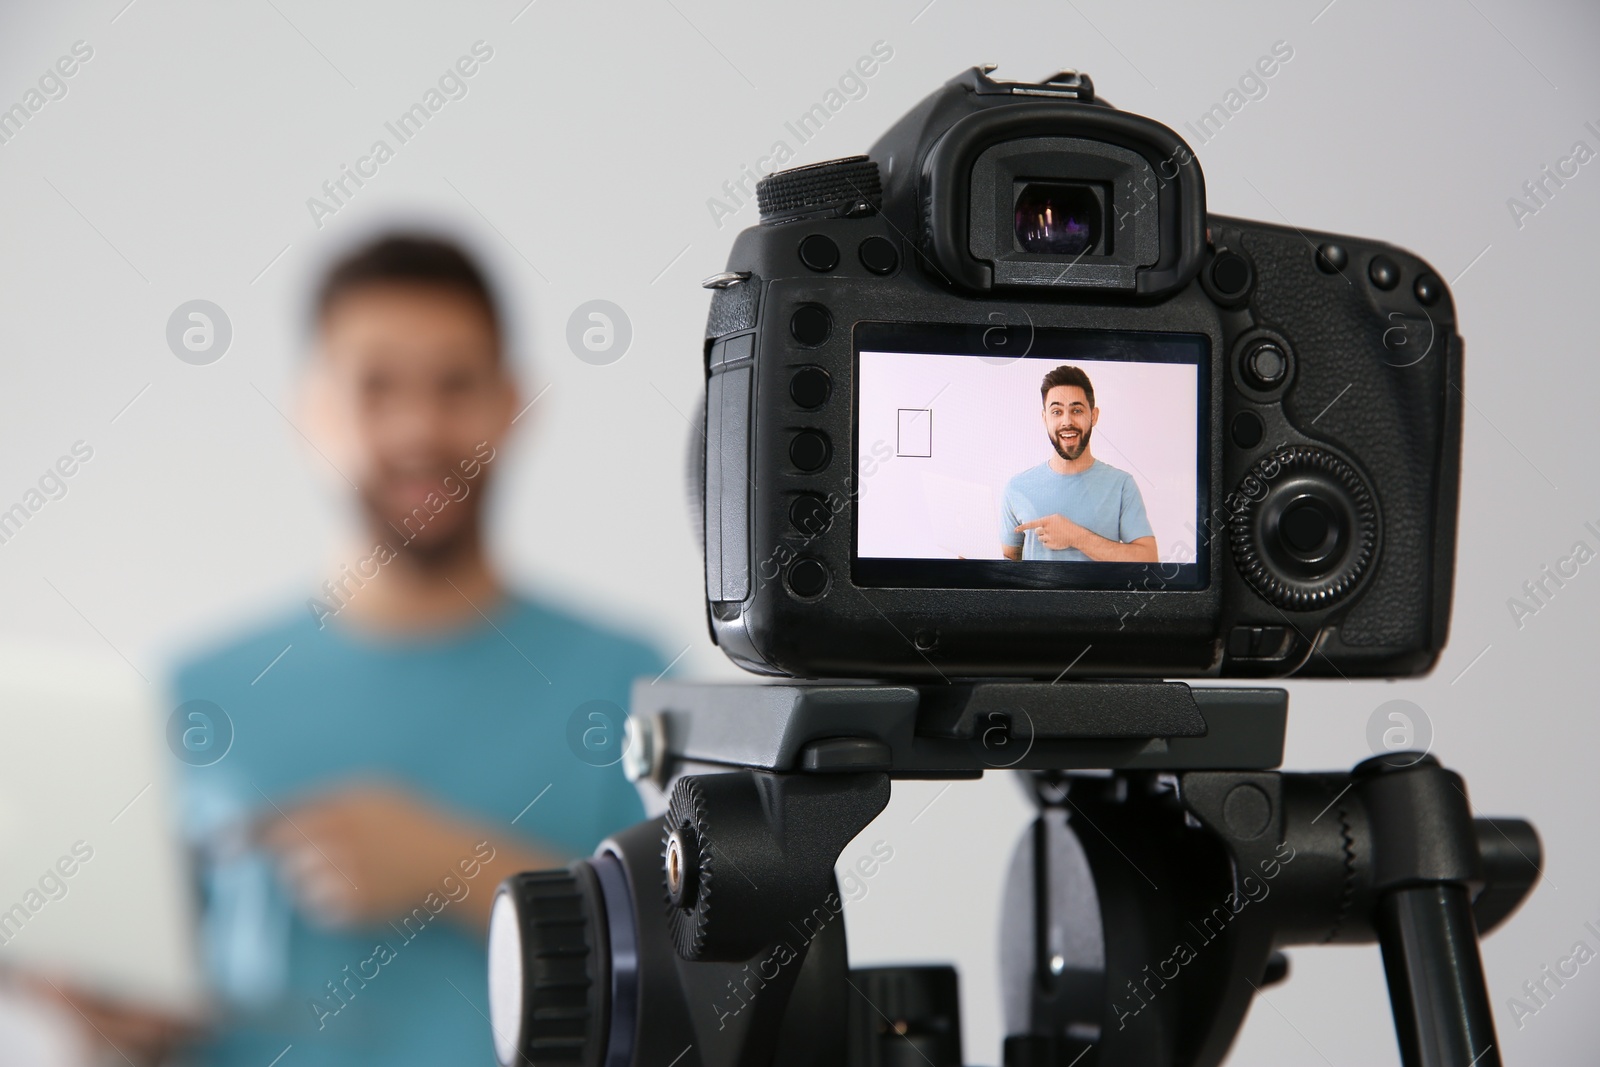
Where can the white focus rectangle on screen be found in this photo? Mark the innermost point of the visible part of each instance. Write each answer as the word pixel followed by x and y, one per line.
pixel 914 434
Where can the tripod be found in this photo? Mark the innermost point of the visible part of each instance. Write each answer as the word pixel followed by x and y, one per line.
pixel 1168 866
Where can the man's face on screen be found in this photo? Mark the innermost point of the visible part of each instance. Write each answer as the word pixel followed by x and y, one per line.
pixel 408 388
pixel 1069 420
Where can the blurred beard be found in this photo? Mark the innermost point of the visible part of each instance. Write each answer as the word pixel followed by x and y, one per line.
pixel 434 546
pixel 1073 454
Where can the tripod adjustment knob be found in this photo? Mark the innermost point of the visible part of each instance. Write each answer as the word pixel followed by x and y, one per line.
pixel 549 967
pixel 688 869
pixel 744 853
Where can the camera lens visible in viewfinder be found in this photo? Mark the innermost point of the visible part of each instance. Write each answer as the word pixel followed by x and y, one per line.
pixel 1059 220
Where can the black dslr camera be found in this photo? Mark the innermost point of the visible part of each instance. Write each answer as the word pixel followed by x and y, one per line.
pixel 995 407
pixel 1259 476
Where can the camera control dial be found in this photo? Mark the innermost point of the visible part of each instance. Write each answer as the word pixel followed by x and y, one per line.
pixel 837 188
pixel 1304 528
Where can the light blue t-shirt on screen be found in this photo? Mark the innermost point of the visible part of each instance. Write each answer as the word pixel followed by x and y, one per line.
pixel 1102 499
pixel 476 720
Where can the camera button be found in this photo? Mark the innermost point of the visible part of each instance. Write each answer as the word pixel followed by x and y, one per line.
pixel 1264 366
pixel 1305 528
pixel 1331 258
pixel 811 324
pixel 1230 274
pixel 810 514
pixel 1247 429
pixel 809 387
pixel 878 255
pixel 807 578
pixel 810 451
pixel 1258 642
pixel 1427 290
pixel 819 253
pixel 1384 272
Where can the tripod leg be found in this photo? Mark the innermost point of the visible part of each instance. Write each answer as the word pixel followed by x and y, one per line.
pixel 1425 856
pixel 1436 984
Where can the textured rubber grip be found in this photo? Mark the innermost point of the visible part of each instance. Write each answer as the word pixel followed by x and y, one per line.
pixel 837 187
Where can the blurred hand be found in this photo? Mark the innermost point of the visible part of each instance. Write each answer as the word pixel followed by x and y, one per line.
pixel 369 853
pixel 139 1035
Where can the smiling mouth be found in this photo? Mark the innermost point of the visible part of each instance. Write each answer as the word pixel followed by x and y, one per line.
pixel 412 489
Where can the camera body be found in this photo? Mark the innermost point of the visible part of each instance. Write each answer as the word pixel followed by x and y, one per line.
pixel 1279 410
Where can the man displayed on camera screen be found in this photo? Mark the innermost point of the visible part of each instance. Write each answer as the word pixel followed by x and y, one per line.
pixel 1073 506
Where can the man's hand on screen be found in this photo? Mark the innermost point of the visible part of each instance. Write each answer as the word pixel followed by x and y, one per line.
pixel 1055 531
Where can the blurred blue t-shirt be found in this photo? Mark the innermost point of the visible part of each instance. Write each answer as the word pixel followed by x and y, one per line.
pixel 476 719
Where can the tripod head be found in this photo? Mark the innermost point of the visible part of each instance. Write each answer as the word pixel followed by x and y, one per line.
pixel 1149 902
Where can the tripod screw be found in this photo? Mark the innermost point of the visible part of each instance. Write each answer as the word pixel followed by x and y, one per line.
pixel 643 748
pixel 683 867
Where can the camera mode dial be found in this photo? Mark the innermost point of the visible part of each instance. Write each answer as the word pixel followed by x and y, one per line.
pixel 1304 528
pixel 837 188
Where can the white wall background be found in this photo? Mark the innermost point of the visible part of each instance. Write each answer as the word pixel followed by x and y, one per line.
pixel 179 163
pixel 983 424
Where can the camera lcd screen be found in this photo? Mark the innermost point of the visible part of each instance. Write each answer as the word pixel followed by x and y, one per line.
pixel 1015 457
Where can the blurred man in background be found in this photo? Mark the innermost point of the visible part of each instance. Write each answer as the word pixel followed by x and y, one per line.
pixel 401 741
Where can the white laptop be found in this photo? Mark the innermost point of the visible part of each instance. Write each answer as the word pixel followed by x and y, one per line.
pixel 94 887
pixel 964 516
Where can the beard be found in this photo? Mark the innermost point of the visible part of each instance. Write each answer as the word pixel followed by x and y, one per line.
pixel 436 546
pixel 1072 453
